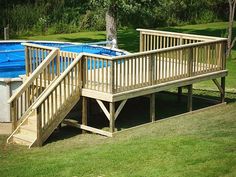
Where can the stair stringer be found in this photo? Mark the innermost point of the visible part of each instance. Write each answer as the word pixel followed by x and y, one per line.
pixel 23 122
pixel 60 115
pixel 26 115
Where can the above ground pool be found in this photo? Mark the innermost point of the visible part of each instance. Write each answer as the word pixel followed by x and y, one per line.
pixel 12 56
pixel 12 64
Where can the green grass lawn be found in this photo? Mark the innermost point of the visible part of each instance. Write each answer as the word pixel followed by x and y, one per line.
pixel 202 144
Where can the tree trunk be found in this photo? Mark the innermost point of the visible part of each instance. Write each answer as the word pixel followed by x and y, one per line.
pixel 230 42
pixel 111 23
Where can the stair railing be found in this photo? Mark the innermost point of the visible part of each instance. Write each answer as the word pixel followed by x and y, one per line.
pixel 64 87
pixel 34 85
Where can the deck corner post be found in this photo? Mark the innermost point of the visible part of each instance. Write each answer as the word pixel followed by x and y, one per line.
pixel 179 94
pixel 112 76
pixel 190 98
pixel 222 95
pixel 224 54
pixel 141 42
pixel 152 107
pixel 190 62
pixel 151 69
pixel 84 112
pixel 39 126
pixel 58 62
pixel 112 117
pixel 26 61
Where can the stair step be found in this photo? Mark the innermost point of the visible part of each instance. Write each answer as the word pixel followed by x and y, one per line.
pixel 28 129
pixel 32 120
pixel 23 139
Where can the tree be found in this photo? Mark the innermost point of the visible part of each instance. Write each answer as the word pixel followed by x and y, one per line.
pixel 230 42
pixel 112 9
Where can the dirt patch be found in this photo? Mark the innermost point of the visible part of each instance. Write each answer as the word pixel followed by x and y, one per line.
pixel 5 128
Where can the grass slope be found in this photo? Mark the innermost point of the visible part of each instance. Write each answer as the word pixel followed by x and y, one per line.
pixel 202 144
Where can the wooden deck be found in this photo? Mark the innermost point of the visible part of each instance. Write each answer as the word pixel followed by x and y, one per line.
pixel 56 80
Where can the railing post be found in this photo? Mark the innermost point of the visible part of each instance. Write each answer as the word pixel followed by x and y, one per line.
pixel 39 125
pixel 224 51
pixel 112 77
pixel 190 62
pixel 13 115
pixel 26 61
pixel 181 40
pixel 151 69
pixel 141 42
pixel 58 63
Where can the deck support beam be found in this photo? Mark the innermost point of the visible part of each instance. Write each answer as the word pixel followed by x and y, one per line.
pixel 104 109
pixel 112 116
pixel 179 94
pixel 218 85
pixel 84 112
pixel 152 107
pixel 190 98
pixel 75 123
pixel 122 104
pixel 221 87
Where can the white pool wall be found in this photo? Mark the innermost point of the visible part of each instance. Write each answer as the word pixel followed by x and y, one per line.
pixel 7 88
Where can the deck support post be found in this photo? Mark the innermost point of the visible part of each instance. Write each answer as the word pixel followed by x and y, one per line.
pixel 179 94
pixel 112 116
pixel 152 107
pixel 222 94
pixel 190 98
pixel 84 112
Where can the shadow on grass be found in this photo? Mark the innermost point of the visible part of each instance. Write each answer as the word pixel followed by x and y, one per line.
pixel 136 111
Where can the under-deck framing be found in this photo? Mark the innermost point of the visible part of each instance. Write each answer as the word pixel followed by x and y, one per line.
pixel 57 80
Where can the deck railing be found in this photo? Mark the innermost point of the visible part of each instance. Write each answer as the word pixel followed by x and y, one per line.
pixel 34 56
pixel 43 65
pixel 34 85
pixel 153 39
pixel 60 92
pixel 97 73
pixel 158 66
pixel 132 71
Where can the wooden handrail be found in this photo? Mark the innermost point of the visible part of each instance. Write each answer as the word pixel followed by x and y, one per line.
pixel 137 54
pixel 38 46
pixel 176 34
pixel 56 82
pixel 34 75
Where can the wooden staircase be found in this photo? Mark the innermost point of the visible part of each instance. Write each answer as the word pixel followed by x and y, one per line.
pixel 38 108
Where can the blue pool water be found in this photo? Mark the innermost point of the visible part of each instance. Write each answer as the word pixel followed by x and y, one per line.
pixel 12 59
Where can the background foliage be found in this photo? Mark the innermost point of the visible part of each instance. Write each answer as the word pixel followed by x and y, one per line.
pixel 28 17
